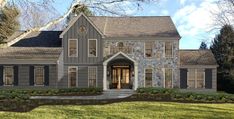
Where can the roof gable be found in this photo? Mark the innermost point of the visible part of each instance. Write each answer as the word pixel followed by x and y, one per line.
pixel 75 20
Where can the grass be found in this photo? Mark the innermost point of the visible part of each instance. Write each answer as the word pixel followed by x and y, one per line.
pixel 128 110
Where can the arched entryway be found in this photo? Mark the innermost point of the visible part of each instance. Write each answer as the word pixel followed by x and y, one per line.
pixel 120 72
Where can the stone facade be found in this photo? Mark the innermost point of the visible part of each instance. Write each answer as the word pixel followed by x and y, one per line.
pixel 158 62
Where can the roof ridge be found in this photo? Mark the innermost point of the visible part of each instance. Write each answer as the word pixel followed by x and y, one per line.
pixel 129 16
pixel 104 30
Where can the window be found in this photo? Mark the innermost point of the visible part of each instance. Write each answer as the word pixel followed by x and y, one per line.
pixel 92 48
pixel 8 75
pixel 168 78
pixel 168 49
pixel 200 78
pixel 148 49
pixel 39 75
pixel 148 77
pixel 92 76
pixel 196 78
pixel 72 76
pixel 72 47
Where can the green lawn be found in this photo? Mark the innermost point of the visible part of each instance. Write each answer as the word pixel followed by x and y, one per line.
pixel 128 110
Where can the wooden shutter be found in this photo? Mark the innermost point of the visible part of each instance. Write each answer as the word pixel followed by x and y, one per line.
pixel 46 75
pixel 208 78
pixel 1 75
pixel 183 78
pixel 31 75
pixel 16 75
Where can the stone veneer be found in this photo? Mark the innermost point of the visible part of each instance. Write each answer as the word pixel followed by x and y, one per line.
pixel 158 62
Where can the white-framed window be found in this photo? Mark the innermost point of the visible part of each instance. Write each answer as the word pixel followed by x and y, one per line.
pixel 92 76
pixel 92 47
pixel 168 49
pixel 149 49
pixel 8 75
pixel 72 76
pixel 196 78
pixel 148 77
pixel 168 78
pixel 39 75
pixel 72 48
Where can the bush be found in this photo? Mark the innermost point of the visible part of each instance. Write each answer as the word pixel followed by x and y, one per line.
pixel 175 95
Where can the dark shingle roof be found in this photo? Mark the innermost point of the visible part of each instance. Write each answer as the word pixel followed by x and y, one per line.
pixel 38 53
pixel 153 26
pixel 197 57
pixel 40 39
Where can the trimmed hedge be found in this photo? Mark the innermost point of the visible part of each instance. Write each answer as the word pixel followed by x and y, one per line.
pixel 162 94
pixel 12 94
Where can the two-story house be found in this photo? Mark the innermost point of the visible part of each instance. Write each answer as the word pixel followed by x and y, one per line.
pixel 107 52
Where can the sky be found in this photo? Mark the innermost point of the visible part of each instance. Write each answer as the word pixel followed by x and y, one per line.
pixel 192 18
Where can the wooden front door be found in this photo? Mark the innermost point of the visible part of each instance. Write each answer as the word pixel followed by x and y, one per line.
pixel 120 77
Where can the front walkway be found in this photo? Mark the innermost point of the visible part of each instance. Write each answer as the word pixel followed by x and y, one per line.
pixel 109 94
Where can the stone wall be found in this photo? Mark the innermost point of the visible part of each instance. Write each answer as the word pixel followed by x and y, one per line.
pixel 158 62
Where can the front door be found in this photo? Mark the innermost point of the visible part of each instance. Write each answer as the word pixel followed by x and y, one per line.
pixel 120 77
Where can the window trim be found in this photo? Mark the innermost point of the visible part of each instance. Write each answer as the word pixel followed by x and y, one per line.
pixel 4 75
pixel 204 80
pixel 68 76
pixel 96 74
pixel 145 50
pixel 172 49
pixel 172 73
pixel 35 75
pixel 145 76
pixel 76 48
pixel 96 48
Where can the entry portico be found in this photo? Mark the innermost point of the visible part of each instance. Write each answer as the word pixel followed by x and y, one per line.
pixel 120 71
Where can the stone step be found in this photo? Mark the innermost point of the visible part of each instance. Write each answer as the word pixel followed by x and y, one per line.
pixel 118 92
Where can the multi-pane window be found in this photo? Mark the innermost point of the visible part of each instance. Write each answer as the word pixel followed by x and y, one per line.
pixel 8 75
pixel 168 78
pixel 148 49
pixel 72 75
pixel 39 75
pixel 168 49
pixel 196 78
pixel 92 76
pixel 200 78
pixel 148 77
pixel 92 48
pixel 72 47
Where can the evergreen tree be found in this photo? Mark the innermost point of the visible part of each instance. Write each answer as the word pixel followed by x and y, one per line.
pixel 8 22
pixel 203 46
pixel 223 50
pixel 79 9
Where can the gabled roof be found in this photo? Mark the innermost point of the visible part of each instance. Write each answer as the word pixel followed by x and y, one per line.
pixel 31 53
pixel 140 26
pixel 197 57
pixel 74 21
pixel 118 54
pixel 40 39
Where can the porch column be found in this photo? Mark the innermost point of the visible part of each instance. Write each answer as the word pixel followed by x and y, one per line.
pixel 136 76
pixel 104 77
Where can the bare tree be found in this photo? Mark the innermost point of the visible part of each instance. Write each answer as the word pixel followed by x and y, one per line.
pixel 225 13
pixel 112 7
